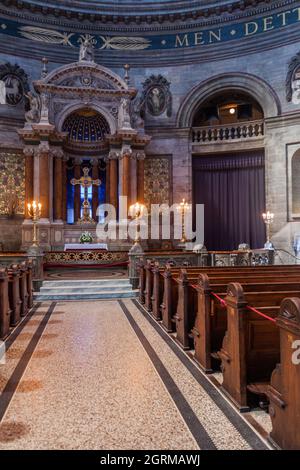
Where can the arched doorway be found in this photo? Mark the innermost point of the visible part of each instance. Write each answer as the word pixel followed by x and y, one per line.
pixel 86 130
pixel 228 169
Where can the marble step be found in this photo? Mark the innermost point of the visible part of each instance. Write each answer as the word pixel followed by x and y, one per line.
pixel 83 288
pixel 89 282
pixel 96 295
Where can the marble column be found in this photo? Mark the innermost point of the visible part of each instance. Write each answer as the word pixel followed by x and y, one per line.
pixel 132 198
pixel 58 186
pixel 29 155
pixel 44 180
pixel 140 178
pixel 77 175
pixel 125 177
pixel 113 182
pixel 95 189
pixel 64 189
pixel 107 177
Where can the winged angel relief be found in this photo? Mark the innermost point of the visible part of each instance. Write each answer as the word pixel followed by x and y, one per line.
pixel 67 39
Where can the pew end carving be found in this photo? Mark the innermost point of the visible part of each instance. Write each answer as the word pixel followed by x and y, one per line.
pixel 5 312
pixel 284 390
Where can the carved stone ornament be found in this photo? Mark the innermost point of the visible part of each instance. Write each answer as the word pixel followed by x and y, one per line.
pixel 86 51
pixel 292 84
pixel 14 84
pixel 124 114
pixel 114 155
pixel 156 97
pixel 33 114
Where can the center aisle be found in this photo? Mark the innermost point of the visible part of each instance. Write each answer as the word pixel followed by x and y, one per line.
pixel 97 375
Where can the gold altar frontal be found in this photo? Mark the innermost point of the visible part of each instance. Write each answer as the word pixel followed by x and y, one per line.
pixel 85 259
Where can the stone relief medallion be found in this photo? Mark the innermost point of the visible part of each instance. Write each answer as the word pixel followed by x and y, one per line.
pixel 157 98
pixel 14 84
pixel 292 85
pixel 14 89
pixel 156 101
pixel 86 80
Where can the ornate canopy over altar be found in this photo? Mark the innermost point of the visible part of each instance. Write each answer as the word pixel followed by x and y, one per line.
pixel 81 113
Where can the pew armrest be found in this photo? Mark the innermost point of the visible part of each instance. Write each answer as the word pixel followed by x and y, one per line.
pixel 224 356
pixel 276 397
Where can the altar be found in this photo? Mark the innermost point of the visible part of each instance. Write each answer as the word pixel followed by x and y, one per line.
pixel 84 145
pixel 85 246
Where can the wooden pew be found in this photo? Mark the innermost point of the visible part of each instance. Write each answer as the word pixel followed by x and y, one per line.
pixel 148 285
pixel 162 278
pixel 187 305
pixel 169 285
pixel 284 390
pixel 169 295
pixel 211 319
pixel 4 304
pixel 23 268
pixel 14 294
pixel 250 349
pixel 151 273
pixel 29 284
pixel 142 281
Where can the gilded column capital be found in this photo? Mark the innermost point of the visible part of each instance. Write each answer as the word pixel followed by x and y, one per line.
pixel 126 151
pixel 114 155
pixel 43 149
pixel 56 152
pixel 140 155
pixel 29 151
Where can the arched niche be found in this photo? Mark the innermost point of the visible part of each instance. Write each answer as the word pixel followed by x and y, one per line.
pixel 241 83
pixel 86 125
pixel 77 107
pixel 226 108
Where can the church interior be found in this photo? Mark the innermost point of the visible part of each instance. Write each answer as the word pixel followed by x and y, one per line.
pixel 150 225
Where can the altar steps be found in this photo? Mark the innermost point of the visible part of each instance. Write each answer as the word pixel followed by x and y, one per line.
pixel 85 290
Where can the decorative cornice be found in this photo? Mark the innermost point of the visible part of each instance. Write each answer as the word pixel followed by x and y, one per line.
pixel 70 91
pixel 154 17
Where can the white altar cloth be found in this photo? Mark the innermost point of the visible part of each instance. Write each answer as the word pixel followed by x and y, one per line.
pixel 85 246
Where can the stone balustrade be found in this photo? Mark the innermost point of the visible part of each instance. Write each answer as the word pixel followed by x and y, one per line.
pixel 230 132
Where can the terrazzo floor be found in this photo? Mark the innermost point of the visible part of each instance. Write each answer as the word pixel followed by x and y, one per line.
pixel 100 375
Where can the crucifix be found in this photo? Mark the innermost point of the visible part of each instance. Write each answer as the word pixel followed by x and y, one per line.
pixel 86 182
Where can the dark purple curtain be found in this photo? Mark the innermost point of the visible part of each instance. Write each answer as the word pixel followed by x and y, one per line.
pixel 232 188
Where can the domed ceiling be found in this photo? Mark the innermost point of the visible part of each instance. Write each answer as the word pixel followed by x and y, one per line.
pixel 140 32
pixel 143 9
pixel 86 126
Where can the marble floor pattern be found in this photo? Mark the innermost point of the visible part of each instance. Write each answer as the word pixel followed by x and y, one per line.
pixel 100 375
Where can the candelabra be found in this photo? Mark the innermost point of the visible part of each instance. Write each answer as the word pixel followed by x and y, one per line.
pixel 183 208
pixel 137 210
pixel 268 220
pixel 34 211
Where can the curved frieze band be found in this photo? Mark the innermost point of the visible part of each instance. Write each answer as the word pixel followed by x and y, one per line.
pixel 157 42
pixel 263 32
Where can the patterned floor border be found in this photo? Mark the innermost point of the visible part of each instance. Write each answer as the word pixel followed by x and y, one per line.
pixel 249 430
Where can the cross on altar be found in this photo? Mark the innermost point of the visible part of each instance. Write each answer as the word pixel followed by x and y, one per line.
pixel 86 182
